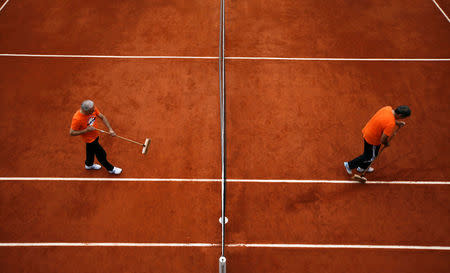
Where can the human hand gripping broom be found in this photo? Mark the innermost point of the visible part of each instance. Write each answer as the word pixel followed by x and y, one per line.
pixel 361 177
pixel 145 145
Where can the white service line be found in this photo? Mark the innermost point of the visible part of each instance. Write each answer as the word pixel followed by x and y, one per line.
pixel 69 179
pixel 339 182
pixel 106 56
pixel 108 244
pixel 441 11
pixel 343 59
pixel 229 58
pixel 399 247
pixel 326 246
pixel 84 179
pixel 4 5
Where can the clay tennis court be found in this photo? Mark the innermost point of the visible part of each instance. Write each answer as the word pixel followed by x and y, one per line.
pixel 302 79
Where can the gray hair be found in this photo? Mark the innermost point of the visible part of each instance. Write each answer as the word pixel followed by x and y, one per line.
pixel 87 105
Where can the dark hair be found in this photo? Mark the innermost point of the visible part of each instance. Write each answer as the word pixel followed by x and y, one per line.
pixel 403 110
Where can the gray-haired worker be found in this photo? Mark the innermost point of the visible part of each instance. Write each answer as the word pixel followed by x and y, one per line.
pixel 84 122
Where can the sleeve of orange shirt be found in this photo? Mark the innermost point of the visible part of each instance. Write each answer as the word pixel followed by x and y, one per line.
pixel 76 123
pixel 389 129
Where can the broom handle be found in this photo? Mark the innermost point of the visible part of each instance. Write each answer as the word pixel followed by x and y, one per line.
pixel 382 148
pixel 124 138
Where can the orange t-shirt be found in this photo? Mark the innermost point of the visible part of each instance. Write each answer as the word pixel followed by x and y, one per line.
pixel 81 121
pixel 382 122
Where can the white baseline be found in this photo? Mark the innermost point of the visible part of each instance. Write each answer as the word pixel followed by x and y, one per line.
pixel 205 180
pixel 326 246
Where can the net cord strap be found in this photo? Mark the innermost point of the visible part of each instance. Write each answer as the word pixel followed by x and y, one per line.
pixel 222 114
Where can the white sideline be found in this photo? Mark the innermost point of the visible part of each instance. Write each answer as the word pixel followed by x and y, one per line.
pixel 329 246
pixel 4 5
pixel 229 58
pixel 446 17
pixel 83 179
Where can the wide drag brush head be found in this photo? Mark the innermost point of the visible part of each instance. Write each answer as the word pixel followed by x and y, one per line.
pixel 146 146
pixel 359 178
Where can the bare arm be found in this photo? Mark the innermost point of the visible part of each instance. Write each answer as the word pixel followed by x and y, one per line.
pixel 106 122
pixel 384 140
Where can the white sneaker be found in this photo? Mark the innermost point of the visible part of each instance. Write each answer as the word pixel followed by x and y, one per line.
pixel 93 167
pixel 347 168
pixel 368 170
pixel 116 170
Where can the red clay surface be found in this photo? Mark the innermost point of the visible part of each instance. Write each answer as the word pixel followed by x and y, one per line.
pixel 252 260
pixel 162 27
pixel 110 212
pixel 302 120
pixel 291 120
pixel 337 28
pixel 108 259
pixel 338 214
pixel 175 103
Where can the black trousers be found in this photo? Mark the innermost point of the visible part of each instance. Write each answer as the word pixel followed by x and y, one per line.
pixel 95 149
pixel 364 160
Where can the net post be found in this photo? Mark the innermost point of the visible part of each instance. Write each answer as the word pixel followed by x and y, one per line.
pixel 222 265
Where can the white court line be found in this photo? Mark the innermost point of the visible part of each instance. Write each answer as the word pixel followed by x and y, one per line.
pixel 329 246
pixel 84 179
pixel 229 58
pixel 108 244
pixel 343 59
pixel 107 56
pixel 441 11
pixel 4 5
pixel 399 247
pixel 338 182
pixel 107 179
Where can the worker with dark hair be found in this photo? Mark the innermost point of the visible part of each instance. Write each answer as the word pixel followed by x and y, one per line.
pixel 376 132
pixel 84 123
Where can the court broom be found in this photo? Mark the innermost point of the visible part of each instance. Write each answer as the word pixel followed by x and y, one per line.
pixel 361 177
pixel 145 145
